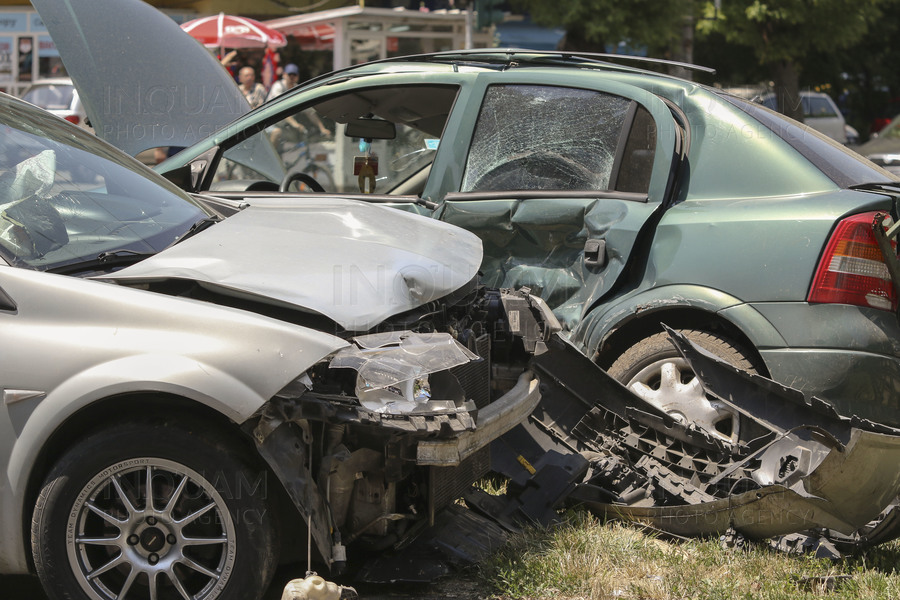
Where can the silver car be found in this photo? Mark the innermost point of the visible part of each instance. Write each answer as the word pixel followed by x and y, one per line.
pixel 59 97
pixel 179 387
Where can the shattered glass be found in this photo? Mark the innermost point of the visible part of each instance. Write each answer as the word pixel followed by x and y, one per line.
pixel 384 360
pixel 545 138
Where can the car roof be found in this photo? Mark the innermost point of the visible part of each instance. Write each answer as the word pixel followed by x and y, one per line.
pixel 53 81
pixel 506 59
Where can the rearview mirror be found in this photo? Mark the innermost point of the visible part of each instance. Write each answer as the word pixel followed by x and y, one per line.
pixel 371 129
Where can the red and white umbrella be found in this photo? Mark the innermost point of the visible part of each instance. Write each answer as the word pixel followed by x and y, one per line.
pixel 227 31
pixel 314 36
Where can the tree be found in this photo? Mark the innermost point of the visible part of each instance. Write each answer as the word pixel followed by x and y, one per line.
pixel 783 33
pixel 592 25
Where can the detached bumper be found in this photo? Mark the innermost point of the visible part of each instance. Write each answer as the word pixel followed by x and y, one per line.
pixel 493 421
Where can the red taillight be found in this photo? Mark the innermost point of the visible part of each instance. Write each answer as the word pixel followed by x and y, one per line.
pixel 852 269
pixel 73 119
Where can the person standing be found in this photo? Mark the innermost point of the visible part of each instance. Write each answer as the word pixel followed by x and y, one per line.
pixel 289 78
pixel 254 92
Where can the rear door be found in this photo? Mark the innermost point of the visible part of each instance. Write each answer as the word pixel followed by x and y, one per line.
pixel 561 175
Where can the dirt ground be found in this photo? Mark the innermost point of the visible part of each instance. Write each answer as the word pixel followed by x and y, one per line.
pixel 457 588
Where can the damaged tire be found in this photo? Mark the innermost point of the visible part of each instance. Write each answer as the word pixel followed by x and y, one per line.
pixel 154 511
pixel 655 371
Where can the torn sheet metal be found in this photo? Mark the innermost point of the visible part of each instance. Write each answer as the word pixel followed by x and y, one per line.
pixel 798 466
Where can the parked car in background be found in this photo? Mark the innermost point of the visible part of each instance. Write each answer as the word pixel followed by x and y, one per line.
pixel 822 114
pixel 884 116
pixel 883 148
pixel 60 97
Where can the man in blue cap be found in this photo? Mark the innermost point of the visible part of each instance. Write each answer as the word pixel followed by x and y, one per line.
pixel 289 78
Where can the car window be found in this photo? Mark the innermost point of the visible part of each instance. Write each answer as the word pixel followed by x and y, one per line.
pixel 54 97
pixel 817 107
pixel 320 143
pixel 532 137
pixel 66 197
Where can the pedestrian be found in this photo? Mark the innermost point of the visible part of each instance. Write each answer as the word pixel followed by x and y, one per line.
pixel 254 92
pixel 289 78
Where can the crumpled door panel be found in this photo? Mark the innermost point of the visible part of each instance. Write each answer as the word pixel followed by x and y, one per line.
pixel 539 243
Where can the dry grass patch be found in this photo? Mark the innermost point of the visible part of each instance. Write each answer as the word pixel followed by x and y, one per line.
pixel 586 558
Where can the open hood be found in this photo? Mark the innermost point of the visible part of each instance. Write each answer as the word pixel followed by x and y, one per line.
pixel 144 82
pixel 352 261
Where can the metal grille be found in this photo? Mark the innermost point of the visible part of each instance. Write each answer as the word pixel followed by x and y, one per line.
pixel 475 377
pixel 446 484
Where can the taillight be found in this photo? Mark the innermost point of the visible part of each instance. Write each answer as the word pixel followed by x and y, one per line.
pixel 73 119
pixel 852 269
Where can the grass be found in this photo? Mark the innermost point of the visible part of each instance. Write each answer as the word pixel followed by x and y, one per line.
pixel 587 558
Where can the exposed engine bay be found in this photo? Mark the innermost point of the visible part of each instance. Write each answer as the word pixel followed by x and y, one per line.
pixel 373 456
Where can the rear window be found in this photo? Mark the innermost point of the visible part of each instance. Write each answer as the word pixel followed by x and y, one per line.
pixel 51 97
pixel 840 164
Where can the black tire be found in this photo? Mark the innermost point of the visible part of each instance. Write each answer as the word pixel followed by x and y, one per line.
pixel 640 368
pixel 203 489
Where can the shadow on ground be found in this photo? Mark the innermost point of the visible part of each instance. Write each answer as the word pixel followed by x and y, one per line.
pixel 16 587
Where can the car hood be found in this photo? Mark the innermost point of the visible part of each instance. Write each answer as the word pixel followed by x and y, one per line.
pixel 143 81
pixel 354 262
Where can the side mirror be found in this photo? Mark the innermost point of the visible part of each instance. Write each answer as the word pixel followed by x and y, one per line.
pixel 371 129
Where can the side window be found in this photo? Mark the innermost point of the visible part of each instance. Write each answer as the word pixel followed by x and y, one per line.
pixel 320 143
pixel 301 142
pixel 532 137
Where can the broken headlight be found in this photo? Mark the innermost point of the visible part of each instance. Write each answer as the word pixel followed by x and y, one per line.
pixel 405 372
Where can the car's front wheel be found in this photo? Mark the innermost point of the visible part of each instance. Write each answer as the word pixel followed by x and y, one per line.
pixel 154 512
pixel 653 370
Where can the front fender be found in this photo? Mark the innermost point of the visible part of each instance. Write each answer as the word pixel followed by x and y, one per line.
pixel 35 420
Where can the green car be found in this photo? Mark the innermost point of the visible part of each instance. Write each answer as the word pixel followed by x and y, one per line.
pixel 625 199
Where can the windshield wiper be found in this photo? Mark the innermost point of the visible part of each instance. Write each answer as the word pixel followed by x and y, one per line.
pixel 197 227
pixel 105 260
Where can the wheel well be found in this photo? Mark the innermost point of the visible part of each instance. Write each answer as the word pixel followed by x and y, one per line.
pixel 641 326
pixel 104 413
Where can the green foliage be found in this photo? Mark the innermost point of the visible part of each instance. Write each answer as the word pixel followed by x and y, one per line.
pixel 489 13
pixel 649 23
pixel 788 30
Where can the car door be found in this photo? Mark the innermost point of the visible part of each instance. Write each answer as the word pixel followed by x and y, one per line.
pixel 560 177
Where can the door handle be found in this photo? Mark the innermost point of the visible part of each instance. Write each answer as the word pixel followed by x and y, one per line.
pixel 595 253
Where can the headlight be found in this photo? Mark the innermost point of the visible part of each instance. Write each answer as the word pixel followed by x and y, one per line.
pixel 403 372
pixel 402 398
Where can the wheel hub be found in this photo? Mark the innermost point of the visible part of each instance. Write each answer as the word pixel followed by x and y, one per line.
pixel 153 539
pixel 672 387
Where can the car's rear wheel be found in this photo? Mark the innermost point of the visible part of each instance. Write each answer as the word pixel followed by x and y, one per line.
pixel 653 369
pixel 154 512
